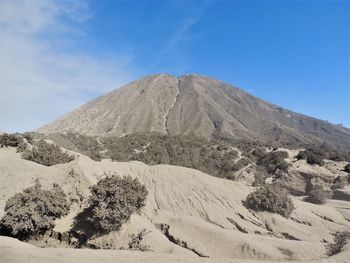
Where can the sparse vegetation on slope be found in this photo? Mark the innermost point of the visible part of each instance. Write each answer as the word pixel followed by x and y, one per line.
pixel 86 145
pixel 270 198
pixel 46 154
pixel 214 158
pixel 33 211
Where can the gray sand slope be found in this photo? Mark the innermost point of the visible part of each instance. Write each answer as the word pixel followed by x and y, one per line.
pixel 203 214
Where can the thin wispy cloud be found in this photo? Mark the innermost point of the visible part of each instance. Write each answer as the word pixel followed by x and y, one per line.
pixel 43 73
pixel 180 36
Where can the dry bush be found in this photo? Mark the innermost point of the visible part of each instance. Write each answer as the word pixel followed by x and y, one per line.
pixel 136 241
pixel 270 198
pixel 46 154
pixel 340 240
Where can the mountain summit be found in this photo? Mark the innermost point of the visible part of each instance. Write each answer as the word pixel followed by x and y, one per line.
pixel 192 104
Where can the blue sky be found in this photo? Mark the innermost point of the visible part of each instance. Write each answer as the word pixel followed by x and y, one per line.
pixel 59 55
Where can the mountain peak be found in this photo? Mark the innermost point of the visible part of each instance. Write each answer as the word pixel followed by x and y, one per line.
pixel 194 104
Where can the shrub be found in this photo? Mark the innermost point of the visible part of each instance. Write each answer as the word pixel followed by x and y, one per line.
pixel 136 241
pixel 86 145
pixel 271 198
pixel 340 240
pixel 10 140
pixel 317 195
pixel 347 168
pixel 113 200
pixel 274 161
pixel 22 146
pixel 339 182
pixel 46 154
pixel 215 158
pixel 312 156
pixel 33 211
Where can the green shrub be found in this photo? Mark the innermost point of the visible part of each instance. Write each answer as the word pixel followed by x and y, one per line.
pixel 274 161
pixel 113 200
pixel 10 140
pixel 46 154
pixel 340 240
pixel 33 211
pixel 317 195
pixel 270 198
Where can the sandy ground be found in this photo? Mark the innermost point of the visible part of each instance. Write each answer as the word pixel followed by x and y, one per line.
pixel 14 251
pixel 204 216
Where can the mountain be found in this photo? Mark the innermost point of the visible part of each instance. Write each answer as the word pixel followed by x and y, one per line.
pixel 192 104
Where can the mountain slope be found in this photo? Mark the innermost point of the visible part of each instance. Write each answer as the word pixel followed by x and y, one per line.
pixel 193 104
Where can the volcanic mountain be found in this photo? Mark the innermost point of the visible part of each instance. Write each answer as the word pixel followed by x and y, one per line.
pixel 192 104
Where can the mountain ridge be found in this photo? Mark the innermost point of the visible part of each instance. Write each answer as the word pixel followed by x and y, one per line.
pixel 194 104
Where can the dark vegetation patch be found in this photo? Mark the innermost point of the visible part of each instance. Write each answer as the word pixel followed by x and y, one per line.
pixel 217 157
pixel 214 158
pixel 113 200
pixel 86 145
pixel 46 154
pixel 316 155
pixel 33 212
pixel 10 140
pixel 274 161
pixel 347 168
pixel 340 240
pixel 312 156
